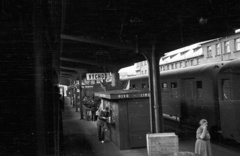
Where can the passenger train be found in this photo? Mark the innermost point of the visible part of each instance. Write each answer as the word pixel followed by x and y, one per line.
pixel 210 91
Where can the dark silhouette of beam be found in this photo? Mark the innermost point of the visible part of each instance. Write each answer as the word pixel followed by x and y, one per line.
pixel 85 61
pixel 101 42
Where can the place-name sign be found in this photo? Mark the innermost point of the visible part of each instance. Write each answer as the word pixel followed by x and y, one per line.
pixel 97 76
pixel 87 86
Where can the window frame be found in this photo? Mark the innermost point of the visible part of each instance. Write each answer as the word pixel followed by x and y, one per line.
pixel 218 49
pixel 227 47
pixel 174 89
pixel 209 51
pixel 164 88
pixel 237 44
pixel 224 98
pixel 198 87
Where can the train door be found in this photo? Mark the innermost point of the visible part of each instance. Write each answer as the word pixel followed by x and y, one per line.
pixel 229 99
pixel 187 98
pixel 188 101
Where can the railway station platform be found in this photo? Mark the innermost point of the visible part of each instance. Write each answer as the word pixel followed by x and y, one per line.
pixel 80 139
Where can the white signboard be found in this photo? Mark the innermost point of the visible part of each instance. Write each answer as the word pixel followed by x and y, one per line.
pixel 98 76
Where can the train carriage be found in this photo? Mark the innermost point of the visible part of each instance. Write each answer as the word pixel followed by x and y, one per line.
pixel 210 91
pixel 188 94
pixel 191 94
pixel 229 99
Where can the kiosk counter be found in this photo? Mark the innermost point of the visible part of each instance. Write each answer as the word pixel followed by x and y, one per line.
pixel 129 120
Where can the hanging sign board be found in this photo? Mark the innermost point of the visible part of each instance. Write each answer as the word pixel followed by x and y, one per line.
pixel 97 76
pixel 87 86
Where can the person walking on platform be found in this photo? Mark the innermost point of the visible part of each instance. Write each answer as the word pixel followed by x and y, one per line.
pixel 102 124
pixel 203 145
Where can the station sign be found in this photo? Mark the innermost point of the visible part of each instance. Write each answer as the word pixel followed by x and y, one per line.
pixel 123 94
pixel 87 86
pixel 97 76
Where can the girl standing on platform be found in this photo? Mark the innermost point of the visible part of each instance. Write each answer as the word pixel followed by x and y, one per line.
pixel 203 145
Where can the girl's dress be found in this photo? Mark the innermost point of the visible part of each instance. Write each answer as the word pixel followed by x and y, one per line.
pixel 203 146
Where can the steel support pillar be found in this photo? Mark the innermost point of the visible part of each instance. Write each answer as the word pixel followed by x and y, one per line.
pixel 80 96
pixel 156 92
pixel 115 78
pixel 156 116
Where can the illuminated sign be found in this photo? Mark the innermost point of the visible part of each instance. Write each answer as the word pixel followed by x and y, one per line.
pixel 97 76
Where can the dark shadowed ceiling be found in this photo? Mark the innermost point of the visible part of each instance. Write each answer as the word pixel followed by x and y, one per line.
pixel 99 35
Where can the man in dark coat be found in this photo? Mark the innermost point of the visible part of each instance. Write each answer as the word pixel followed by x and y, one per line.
pixel 102 124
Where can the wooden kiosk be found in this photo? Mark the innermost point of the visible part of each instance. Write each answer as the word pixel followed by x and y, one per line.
pixel 129 120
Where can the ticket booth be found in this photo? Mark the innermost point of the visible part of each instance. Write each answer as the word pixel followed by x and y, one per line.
pixel 129 120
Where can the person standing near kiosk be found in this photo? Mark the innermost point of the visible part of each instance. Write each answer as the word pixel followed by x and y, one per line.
pixel 102 123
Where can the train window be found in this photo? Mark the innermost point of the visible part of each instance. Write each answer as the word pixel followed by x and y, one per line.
pixel 237 44
pixel 181 64
pixel 199 84
pixel 198 61
pixel 218 49
pixel 226 47
pixel 192 63
pixel 226 92
pixel 133 86
pixel 199 89
pixel 143 86
pixel 173 85
pixel 164 86
pixel 235 89
pixel 174 93
pixel 209 51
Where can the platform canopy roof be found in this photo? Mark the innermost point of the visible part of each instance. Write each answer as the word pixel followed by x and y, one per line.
pixel 100 35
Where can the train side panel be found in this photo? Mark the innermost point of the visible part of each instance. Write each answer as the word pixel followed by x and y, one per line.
pixel 190 98
pixel 189 94
pixel 229 99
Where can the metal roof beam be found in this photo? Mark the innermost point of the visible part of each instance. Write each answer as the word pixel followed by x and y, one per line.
pixel 74 69
pixel 80 61
pixel 101 42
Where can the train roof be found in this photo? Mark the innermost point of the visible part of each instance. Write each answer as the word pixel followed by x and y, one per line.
pixel 193 71
pixel 231 66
